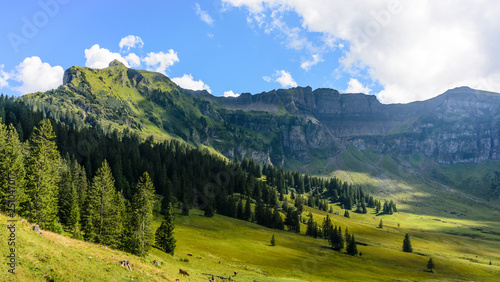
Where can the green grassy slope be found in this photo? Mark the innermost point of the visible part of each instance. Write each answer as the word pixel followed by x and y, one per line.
pixel 244 247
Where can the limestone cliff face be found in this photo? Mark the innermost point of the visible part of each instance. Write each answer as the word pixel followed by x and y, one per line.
pixel 459 126
pixel 463 128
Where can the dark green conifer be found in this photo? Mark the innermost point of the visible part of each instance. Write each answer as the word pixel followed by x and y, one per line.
pixel 164 236
pixel 42 177
pixel 351 248
pixel 407 244
pixel 141 232
pixel 430 264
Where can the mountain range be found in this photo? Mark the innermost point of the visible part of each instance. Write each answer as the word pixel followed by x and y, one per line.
pixel 319 131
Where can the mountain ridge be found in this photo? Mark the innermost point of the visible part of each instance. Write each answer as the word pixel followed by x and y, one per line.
pixel 298 128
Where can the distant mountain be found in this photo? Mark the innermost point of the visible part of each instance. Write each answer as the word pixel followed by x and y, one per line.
pixel 317 131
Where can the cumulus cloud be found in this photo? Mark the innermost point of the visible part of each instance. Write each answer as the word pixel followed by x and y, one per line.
pixel 285 79
pixel 133 60
pixel 204 16
pixel 3 77
pixel 413 49
pixel 230 93
pixel 354 86
pixel 99 58
pixel 187 82
pixel 34 75
pixel 159 62
pixel 282 77
pixel 306 65
pixel 131 41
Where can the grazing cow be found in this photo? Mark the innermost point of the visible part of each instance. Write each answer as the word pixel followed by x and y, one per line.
pixel 235 273
pixel 183 272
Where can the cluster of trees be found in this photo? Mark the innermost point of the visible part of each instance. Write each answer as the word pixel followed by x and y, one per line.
pixel 333 234
pixel 323 190
pixel 52 191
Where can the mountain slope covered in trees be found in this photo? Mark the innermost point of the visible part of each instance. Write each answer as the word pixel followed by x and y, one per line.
pixel 386 148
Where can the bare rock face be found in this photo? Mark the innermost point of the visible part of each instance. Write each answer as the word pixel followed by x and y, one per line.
pixel 459 126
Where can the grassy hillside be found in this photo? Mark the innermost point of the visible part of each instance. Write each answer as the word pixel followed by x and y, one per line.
pixel 244 247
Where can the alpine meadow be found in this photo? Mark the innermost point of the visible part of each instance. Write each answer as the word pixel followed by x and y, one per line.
pixel 126 166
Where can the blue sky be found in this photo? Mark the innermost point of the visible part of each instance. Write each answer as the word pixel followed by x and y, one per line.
pixel 398 50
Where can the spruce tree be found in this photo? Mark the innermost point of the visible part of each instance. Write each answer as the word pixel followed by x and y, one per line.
pixel 247 213
pixel 277 221
pixel 381 224
pixel 239 210
pixel 310 226
pixel 430 264
pixel 12 171
pixel 164 236
pixel 346 213
pixel 407 244
pixel 102 220
pixel 69 208
pixel 141 232
pixel 273 241
pixel 351 248
pixel 42 177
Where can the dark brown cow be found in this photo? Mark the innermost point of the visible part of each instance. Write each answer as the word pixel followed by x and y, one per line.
pixel 183 272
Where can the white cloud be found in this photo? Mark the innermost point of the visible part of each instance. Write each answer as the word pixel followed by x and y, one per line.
pixel 133 60
pixel 354 86
pixel 99 58
pixel 266 78
pixel 285 79
pixel 187 82
pixel 159 62
pixel 413 49
pixel 131 41
pixel 204 16
pixel 3 77
pixel 35 75
pixel 230 93
pixel 306 65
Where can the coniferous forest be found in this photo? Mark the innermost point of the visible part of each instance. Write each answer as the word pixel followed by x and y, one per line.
pixel 106 188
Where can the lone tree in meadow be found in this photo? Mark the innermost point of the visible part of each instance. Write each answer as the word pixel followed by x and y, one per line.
pixel 381 224
pixel 430 264
pixel 273 241
pixel 346 213
pixel 165 233
pixel 407 244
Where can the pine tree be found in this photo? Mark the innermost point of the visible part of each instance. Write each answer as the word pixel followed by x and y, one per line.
pixel 12 171
pixel 273 241
pixel 346 213
pixel 430 264
pixel 247 214
pixel 209 210
pixel 381 224
pixel 102 220
pixel 42 177
pixel 239 210
pixel 310 226
pixel 351 248
pixel 141 237
pixel 407 244
pixel 164 236
pixel 277 220
pixel 69 208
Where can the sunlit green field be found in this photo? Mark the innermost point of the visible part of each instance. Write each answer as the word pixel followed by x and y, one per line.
pixel 222 245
